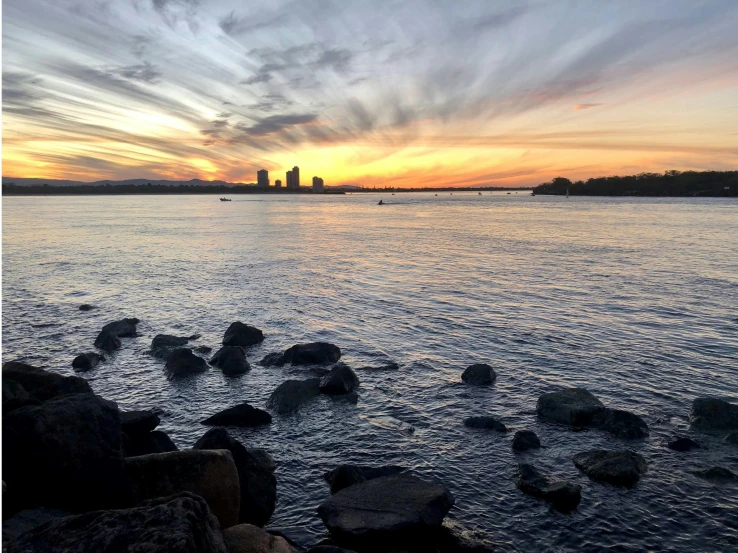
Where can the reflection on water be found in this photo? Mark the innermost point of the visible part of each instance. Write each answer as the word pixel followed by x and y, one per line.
pixel 635 299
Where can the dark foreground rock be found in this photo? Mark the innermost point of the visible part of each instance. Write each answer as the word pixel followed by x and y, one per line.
pixel 240 334
pixel 717 474
pixel 182 362
pixel 621 468
pixel 485 421
pixel 344 476
pixel 41 384
pixel 87 361
pixel 138 422
pixel 107 341
pixel 246 538
pixel 209 474
pixel 525 440
pixel 155 441
pixel 563 495
pixel 713 414
pixel 291 394
pixel 182 523
pixel 255 474
pixel 573 406
pixel 27 520
pixel 313 353
pixel 479 374
pixel 684 444
pixel 125 328
pixel 398 508
pixel 242 414
pixel 621 424
pixel 231 360
pixel 340 380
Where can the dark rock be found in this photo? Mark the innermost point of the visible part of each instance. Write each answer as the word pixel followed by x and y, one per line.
pixel 479 374
pixel 87 361
pixel 14 403
pixel 329 549
pixel 138 422
pixel 573 406
pixel 340 380
pixel 684 444
pixel 291 394
pixel 42 385
pixel 27 520
pixel 155 441
pixel 314 353
pixel 231 360
pixel 273 360
pixel 731 438
pixel 563 495
pixel 716 474
pixel 125 328
pixel 107 341
pixel 246 538
pixel 239 334
pixel 67 385
pixel 19 366
pixel 452 537
pixel 202 349
pixel 182 362
pixel 64 453
pixel 13 390
pixel 86 307
pixel 182 523
pixel 714 414
pixel 621 468
pixel 391 507
pixel 242 414
pixel 525 440
pixel 484 421
pixel 209 474
pixel 344 476
pixel 169 341
pixel 621 424
pixel 255 474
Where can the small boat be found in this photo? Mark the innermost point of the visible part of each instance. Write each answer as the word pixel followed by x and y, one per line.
pixel 225 200
pixel 380 202
pixel 480 193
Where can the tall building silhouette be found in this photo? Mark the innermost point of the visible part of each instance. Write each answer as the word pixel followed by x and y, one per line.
pixel 262 178
pixel 296 177
pixel 277 183
pixel 317 185
pixel 288 183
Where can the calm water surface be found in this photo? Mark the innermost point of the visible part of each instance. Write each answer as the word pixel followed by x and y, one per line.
pixel 635 299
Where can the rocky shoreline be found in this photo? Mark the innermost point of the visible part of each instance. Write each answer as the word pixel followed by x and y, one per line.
pixel 81 475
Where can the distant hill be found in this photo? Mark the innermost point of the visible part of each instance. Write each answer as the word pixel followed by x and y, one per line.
pixel 129 182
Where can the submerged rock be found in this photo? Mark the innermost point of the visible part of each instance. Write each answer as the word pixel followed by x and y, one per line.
pixel 182 523
pixel 107 341
pixel 202 349
pixel 716 474
pixel 563 495
pixel 246 538
pixel 713 414
pixel 231 360
pixel 182 362
pixel 125 328
pixel 273 360
pixel 340 380
pixel 479 374
pixel 242 414
pixel 240 334
pixel 684 444
pixel 87 361
pixel 621 468
pixel 313 353
pixel 485 422
pixel 291 394
pixel 525 440
pixel 138 422
pixel 147 443
pixel 621 424
pixel 573 406
pixel 344 476
pixel 86 307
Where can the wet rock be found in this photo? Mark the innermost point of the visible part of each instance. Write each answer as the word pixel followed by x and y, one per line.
pixel 67 385
pixel 209 474
pixel 107 341
pixel 273 360
pixel 182 362
pixel 455 538
pixel 255 473
pixel 19 366
pixel 718 474
pixel 64 453
pixel 313 353
pixel 231 360
pixel 387 508
pixel 731 438
pixel 242 414
pixel 563 495
pixel 125 328
pixel 573 406
pixel 86 307
pixel 340 380
pixel 684 444
pixel 182 523
pixel 621 468
pixel 87 361
pixel 147 443
pixel 202 349
pixel 27 520
pixel 291 394
pixel 713 414
pixel 239 334
pixel 479 374
pixel 42 385
pixel 484 421
pixel 525 440
pixel 246 538
pixel 344 476
pixel 138 422
pixel 621 424
pixel 163 344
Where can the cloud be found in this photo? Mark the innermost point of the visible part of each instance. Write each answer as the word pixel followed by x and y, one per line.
pixel 579 107
pixel 144 72
pixel 276 123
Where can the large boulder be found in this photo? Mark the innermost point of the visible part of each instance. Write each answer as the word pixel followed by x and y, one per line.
pixel 13 390
pixel 182 362
pixel 19 366
pixel 27 520
pixel 340 380
pixel 87 361
pixel 313 353
pixel 621 424
pixel 479 374
pixel 573 406
pixel 344 476
pixel 393 508
pixel 107 341
pixel 182 523
pixel 564 496
pixel 255 474
pixel 209 474
pixel 125 328
pixel 163 344
pixel 291 394
pixel 710 413
pixel 146 443
pixel 43 385
pixel 240 334
pixel 620 468
pixel 231 360
pixel 525 440
pixel 485 421
pixel 242 414
pixel 66 385
pixel 246 538
pixel 138 422
pixel 64 453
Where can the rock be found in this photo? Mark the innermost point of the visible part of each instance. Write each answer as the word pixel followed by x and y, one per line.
pixel 314 353
pixel 155 441
pixel 255 473
pixel 169 341
pixel 178 524
pixel 479 374
pixel 87 361
pixel 621 468
pixel 573 406
pixel 291 394
pixel 714 414
pixel 273 360
pixel 525 440
pixel 391 507
pixel 27 520
pixel 731 438
pixel 716 474
pixel 231 360
pixel 182 362
pixel 239 334
pixel 454 538
pixel 86 307
pixel 329 549
pixel 344 476
pixel 14 403
pixel 67 385
pixel 621 424
pixel 202 349
pixel 242 414
pixel 563 495
pixel 125 328
pixel 107 341
pixel 340 380
pixel 64 453
pixel 484 421
pixel 13 390
pixel 42 385
pixel 19 366
pixel 246 538
pixel 209 474
pixel 138 422
pixel 684 444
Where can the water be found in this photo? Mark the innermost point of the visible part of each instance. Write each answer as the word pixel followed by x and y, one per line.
pixel 635 299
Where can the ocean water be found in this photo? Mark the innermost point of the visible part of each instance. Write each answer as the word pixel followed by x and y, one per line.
pixel 634 299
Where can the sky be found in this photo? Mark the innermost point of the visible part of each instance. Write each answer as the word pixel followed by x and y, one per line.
pixel 374 92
